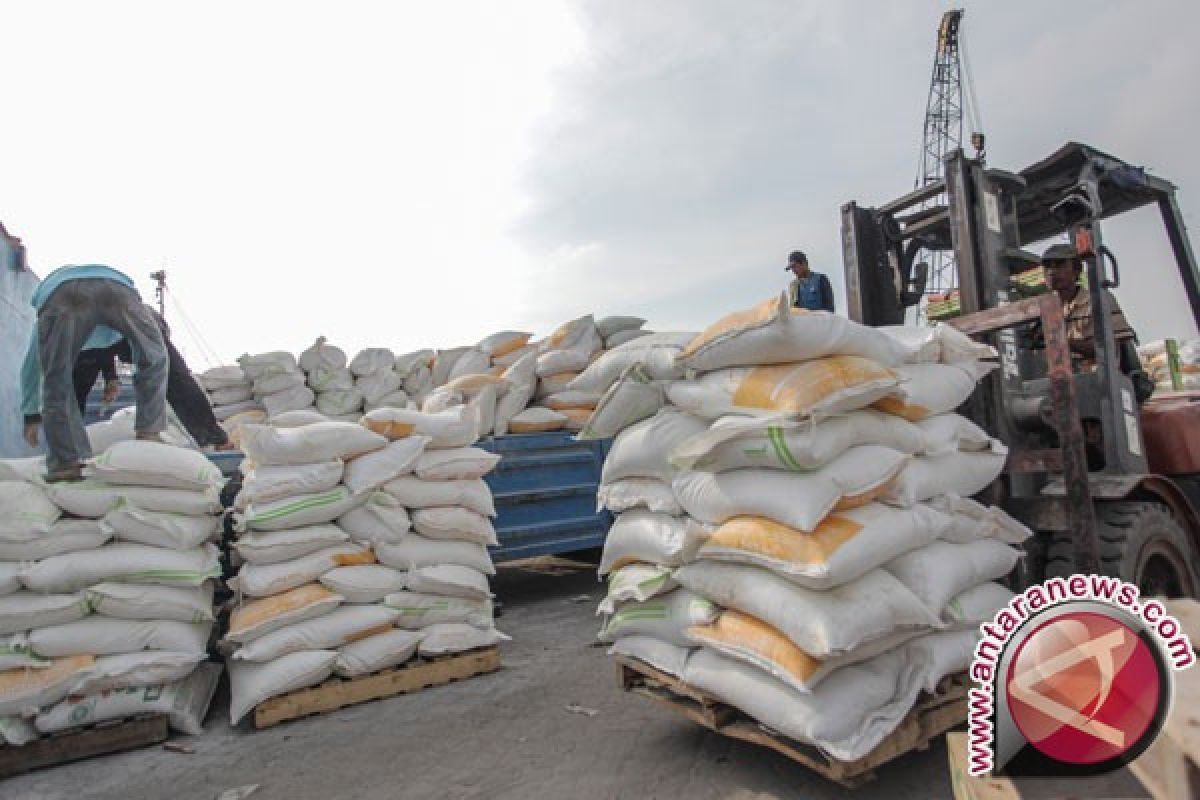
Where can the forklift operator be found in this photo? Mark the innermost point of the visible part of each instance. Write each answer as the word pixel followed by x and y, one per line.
pixel 1063 267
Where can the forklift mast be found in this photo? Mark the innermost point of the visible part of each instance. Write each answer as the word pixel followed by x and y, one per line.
pixel 1035 403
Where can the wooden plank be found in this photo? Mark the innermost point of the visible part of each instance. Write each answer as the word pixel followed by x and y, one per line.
pixel 100 739
pixel 932 716
pixel 1170 768
pixel 1120 783
pixel 338 693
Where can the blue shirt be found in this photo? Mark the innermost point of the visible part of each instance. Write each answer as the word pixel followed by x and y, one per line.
pixel 101 336
pixel 813 293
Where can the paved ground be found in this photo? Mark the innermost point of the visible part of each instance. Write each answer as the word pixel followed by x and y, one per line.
pixel 505 735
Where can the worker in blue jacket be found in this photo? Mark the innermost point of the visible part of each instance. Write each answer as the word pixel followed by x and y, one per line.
pixel 87 307
pixel 809 290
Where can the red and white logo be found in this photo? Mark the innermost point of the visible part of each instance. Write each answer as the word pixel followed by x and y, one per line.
pixel 1084 688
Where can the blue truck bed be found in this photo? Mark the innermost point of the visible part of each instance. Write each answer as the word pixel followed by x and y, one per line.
pixel 545 492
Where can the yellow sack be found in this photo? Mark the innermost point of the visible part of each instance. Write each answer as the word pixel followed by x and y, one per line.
pixel 845 545
pixel 267 614
pixel 815 388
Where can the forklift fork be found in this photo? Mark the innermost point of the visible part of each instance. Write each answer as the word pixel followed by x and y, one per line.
pixel 1070 458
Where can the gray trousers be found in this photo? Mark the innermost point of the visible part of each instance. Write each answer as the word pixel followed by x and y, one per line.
pixel 64 323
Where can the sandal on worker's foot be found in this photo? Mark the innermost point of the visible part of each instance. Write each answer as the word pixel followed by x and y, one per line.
pixel 65 475
pixel 150 437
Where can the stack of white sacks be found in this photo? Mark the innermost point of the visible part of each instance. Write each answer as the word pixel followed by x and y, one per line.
pixel 277 382
pixel 793 535
pixel 106 591
pixel 1157 363
pixel 328 549
pixel 534 385
pixel 229 391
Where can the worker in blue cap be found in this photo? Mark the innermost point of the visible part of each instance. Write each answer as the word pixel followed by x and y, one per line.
pixel 87 307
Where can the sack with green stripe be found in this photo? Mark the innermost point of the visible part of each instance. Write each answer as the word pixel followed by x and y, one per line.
pixel 420 610
pixel 123 563
pixel 298 511
pixel 636 583
pixel 667 618
pixel 738 442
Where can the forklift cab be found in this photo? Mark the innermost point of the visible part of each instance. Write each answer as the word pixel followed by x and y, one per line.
pixel 1119 517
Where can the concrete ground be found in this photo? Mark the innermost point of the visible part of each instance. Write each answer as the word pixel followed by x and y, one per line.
pixel 504 735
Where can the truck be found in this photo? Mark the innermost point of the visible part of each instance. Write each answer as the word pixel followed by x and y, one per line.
pixel 1110 485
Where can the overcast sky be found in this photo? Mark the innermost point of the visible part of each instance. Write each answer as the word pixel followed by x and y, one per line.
pixel 422 174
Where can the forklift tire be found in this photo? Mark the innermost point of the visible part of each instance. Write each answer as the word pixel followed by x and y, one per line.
pixel 1140 543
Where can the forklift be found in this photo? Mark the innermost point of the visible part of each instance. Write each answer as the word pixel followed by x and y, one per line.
pixel 1121 501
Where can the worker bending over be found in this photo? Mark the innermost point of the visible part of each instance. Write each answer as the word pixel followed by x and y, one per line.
pixel 92 306
pixel 184 395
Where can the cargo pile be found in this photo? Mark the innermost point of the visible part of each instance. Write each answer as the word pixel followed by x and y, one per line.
pixel 106 591
pixel 332 577
pixel 513 384
pixel 794 535
pixel 1173 364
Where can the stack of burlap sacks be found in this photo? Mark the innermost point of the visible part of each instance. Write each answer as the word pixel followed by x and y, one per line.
pixel 106 591
pixel 333 578
pixel 793 534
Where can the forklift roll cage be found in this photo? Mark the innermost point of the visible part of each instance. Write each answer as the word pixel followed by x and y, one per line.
pixel 1036 403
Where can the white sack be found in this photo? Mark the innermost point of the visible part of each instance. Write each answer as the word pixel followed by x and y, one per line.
pixel 99 635
pixel 413 492
pixel 459 524
pixel 378 652
pixel 272 547
pixel 738 442
pixel 419 610
pixel 379 520
pixel 127 563
pixel 261 580
pixel 666 617
pixel 821 623
pixel 456 637
pixel 652 538
pixel 372 359
pixel 642 449
pixel 937 572
pixel 797 499
pixel 161 529
pixel 93 499
pixel 455 464
pixel 368 583
pixel 414 552
pixel 372 470
pixel 773 332
pixel 298 511
pixel 251 684
pixel 631 493
pixel 340 626
pixel 268 484
pixel 450 580
pixel 134 601
pixel 64 536
pixel 323 441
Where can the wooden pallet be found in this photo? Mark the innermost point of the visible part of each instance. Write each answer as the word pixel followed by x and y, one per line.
pixel 99 739
pixel 932 716
pixel 338 693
